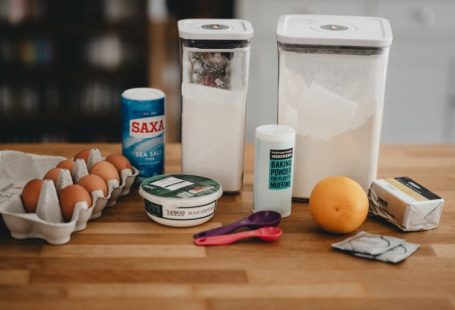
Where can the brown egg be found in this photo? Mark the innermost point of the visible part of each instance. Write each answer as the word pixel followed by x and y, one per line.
pixel 119 161
pixel 84 154
pixel 30 194
pixel 92 183
pixel 105 170
pixel 66 164
pixel 71 195
pixel 52 174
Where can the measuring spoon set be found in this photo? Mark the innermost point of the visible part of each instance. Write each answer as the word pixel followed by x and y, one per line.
pixel 263 225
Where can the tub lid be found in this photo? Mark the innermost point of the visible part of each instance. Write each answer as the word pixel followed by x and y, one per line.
pixel 215 29
pixel 334 30
pixel 180 190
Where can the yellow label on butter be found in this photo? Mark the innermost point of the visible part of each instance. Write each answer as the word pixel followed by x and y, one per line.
pixel 405 189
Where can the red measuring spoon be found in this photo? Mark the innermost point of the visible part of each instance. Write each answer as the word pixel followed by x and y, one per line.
pixel 265 233
pixel 253 221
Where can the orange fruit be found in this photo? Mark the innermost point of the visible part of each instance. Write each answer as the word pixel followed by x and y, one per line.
pixel 338 204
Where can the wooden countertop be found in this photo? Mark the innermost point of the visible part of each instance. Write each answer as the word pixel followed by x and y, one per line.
pixel 124 259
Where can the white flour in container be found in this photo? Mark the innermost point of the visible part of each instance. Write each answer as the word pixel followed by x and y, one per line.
pixel 213 114
pixel 335 104
pixel 213 129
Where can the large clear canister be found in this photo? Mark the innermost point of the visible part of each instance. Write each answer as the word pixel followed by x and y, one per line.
pixel 332 72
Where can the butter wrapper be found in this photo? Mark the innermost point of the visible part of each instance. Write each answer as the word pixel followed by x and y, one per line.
pixel 405 203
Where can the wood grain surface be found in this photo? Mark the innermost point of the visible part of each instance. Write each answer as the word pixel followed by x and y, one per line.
pixel 124 260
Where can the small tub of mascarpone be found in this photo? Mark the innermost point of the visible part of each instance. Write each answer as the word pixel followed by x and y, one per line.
pixel 180 200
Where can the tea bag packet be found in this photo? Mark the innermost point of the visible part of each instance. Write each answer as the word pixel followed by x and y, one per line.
pixel 211 69
pixel 395 255
pixel 367 243
pixel 378 247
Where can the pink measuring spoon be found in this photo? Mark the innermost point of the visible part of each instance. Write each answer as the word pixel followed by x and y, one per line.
pixel 265 233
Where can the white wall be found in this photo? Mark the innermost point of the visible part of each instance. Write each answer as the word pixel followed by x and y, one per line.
pixel 420 91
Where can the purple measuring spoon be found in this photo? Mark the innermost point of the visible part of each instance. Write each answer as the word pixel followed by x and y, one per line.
pixel 255 220
pixel 265 233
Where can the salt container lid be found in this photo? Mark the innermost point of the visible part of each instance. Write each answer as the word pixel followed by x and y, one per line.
pixel 334 30
pixel 215 29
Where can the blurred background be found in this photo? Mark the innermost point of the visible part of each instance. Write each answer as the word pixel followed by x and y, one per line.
pixel 64 64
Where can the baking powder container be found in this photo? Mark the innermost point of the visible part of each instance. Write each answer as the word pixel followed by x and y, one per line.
pixel 273 168
pixel 180 200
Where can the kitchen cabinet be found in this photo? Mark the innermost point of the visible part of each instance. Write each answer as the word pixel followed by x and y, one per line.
pixel 63 66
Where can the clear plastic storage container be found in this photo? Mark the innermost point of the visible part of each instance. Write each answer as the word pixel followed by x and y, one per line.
pixel 332 72
pixel 215 59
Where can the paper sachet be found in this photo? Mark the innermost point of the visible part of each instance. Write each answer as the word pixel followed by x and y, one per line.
pixel 395 255
pixel 368 243
pixel 383 248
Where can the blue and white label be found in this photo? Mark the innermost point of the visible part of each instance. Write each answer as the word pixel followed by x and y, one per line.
pixel 143 135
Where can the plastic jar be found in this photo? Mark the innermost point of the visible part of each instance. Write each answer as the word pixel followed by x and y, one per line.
pixel 180 200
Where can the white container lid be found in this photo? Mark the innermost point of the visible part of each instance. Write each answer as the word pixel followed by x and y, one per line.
pixel 275 133
pixel 215 29
pixel 334 30
pixel 180 200
pixel 180 190
pixel 143 93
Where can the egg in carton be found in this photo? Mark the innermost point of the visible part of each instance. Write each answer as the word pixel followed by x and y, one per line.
pixel 47 222
pixel 116 188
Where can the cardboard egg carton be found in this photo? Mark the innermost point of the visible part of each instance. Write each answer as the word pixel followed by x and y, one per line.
pixel 17 168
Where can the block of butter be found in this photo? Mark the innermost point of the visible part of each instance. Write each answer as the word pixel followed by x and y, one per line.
pixel 405 203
